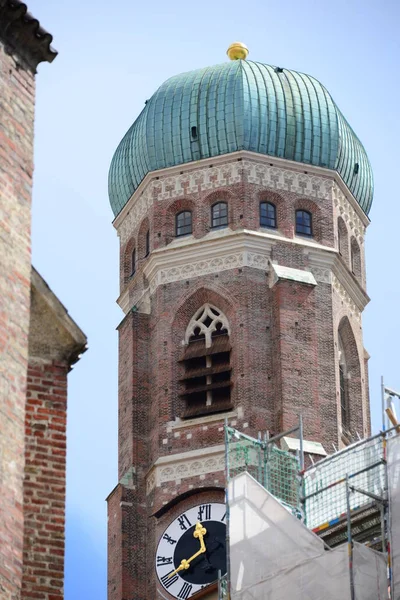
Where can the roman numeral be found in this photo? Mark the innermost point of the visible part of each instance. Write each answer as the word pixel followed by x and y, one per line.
pixel 184 522
pixel 204 513
pixel 168 538
pixel 224 517
pixel 161 560
pixel 185 591
pixel 167 581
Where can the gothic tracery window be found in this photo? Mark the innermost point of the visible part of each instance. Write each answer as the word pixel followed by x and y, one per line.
pixel 207 378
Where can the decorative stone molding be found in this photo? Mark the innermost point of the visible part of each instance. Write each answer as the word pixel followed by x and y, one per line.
pixel 211 254
pixel 206 320
pixel 346 298
pixel 216 177
pixel 243 166
pixel 322 275
pixel 278 178
pixel 354 223
pixel 186 464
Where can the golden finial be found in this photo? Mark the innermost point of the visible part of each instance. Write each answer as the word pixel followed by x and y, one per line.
pixel 237 51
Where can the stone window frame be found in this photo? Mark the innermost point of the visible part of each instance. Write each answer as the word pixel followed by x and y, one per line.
pixel 200 321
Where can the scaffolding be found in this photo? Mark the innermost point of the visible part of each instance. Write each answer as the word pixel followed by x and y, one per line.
pixel 346 497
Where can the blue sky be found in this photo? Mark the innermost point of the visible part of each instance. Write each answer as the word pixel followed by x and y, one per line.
pixel 112 57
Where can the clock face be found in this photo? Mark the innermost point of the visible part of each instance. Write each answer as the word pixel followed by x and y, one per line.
pixel 198 538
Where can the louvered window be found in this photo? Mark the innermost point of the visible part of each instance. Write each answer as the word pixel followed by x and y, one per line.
pixel 206 383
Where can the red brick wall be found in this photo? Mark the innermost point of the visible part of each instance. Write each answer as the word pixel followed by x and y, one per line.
pixel 17 94
pixel 44 485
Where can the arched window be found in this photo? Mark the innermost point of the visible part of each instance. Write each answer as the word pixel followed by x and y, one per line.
pixel 133 262
pixel 343 240
pixel 147 246
pixel 183 223
pixel 267 215
pixel 355 259
pixel 350 383
pixel 303 223
pixel 207 378
pixel 219 215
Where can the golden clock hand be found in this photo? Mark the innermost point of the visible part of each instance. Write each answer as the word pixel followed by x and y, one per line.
pixel 199 532
pixel 186 563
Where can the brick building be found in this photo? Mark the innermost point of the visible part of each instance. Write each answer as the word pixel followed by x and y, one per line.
pixel 241 197
pixel 38 341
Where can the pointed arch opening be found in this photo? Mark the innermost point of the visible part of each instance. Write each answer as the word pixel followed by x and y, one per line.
pixel 343 240
pixel 350 388
pixel 355 259
pixel 206 383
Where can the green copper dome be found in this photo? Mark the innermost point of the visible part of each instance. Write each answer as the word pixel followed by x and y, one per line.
pixel 239 105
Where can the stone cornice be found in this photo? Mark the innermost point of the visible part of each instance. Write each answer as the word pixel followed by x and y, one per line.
pixel 327 267
pixel 217 251
pixel 208 174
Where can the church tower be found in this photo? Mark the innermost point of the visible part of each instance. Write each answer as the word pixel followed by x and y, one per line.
pixel 241 197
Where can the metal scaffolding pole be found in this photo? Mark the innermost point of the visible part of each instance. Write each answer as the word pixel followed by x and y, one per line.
pixel 349 539
pixel 228 564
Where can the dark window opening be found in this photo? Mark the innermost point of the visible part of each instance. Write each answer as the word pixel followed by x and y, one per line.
pixel 147 248
pixel 133 262
pixel 267 215
pixel 194 132
pixel 303 223
pixel 219 330
pixel 197 335
pixel 183 223
pixel 219 215
pixel 344 409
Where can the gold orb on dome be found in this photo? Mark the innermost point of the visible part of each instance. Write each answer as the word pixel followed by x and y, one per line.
pixel 237 51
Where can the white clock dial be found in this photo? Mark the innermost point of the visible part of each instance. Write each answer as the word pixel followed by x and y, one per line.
pixel 203 555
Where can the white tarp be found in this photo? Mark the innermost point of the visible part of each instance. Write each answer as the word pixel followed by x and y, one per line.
pixel 369 573
pixel 273 556
pixel 393 458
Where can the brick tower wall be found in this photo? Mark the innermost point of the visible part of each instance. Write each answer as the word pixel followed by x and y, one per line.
pixel 283 335
pixel 17 93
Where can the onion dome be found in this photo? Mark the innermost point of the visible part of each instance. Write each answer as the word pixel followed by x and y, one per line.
pixel 239 105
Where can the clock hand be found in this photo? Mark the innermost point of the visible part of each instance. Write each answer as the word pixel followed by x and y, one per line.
pixel 199 532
